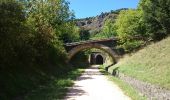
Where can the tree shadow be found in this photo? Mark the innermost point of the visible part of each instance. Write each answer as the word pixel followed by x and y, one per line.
pixel 83 78
pixel 74 92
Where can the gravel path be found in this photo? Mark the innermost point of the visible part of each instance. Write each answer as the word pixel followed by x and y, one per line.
pixel 92 85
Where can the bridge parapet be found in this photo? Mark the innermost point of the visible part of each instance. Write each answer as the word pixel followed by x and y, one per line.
pixel 111 42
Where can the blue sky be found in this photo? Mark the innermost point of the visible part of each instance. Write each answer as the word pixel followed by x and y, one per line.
pixel 89 8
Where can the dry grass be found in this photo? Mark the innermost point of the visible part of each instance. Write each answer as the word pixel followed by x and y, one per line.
pixel 151 64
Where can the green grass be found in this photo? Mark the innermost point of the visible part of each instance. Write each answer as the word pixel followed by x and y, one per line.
pixel 151 64
pixel 127 89
pixel 56 89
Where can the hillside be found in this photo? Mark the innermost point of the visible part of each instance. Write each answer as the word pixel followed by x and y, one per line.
pixel 95 24
pixel 151 64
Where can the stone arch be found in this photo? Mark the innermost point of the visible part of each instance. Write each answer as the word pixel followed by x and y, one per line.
pixel 104 48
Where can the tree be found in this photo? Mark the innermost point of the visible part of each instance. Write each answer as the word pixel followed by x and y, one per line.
pixel 56 13
pixel 84 34
pixel 129 25
pixel 108 28
pixel 69 32
pixel 47 21
pixel 156 14
pixel 13 33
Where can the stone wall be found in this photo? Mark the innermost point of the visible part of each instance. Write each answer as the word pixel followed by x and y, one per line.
pixel 152 92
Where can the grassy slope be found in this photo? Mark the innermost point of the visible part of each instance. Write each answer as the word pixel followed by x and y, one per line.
pixel 151 64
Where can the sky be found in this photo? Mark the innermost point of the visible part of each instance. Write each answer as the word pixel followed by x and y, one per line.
pixel 90 8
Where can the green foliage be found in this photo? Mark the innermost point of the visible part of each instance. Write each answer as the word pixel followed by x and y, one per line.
pixel 98 36
pixel 129 25
pixel 157 17
pixel 69 32
pixel 118 10
pixel 44 37
pixel 84 34
pixel 13 34
pixel 109 29
pixel 131 45
pixel 56 13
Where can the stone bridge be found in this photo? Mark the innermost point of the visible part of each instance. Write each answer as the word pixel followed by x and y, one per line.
pixel 106 45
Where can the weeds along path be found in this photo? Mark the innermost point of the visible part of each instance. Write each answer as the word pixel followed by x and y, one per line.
pixel 93 85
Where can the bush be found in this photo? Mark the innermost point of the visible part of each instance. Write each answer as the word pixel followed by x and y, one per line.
pixel 131 45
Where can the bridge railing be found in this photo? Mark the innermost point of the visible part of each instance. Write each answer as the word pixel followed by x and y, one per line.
pixel 90 41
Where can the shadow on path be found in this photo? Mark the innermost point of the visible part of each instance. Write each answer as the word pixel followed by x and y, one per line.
pixel 76 91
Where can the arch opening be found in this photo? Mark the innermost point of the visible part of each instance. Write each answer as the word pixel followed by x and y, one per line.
pixel 99 60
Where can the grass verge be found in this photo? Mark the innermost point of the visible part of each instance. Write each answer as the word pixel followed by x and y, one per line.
pixel 127 89
pixel 56 89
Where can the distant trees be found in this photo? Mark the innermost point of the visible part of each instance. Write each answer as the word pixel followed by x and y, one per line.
pixel 118 10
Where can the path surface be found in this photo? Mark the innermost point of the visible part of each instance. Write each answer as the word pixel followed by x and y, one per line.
pixel 92 85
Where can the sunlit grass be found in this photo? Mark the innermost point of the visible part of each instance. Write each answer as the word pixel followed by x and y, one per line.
pixel 151 64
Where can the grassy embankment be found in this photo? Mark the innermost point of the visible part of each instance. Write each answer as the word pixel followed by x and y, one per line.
pixel 127 89
pixel 151 64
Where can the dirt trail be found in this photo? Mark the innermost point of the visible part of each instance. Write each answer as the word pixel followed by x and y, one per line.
pixel 92 85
